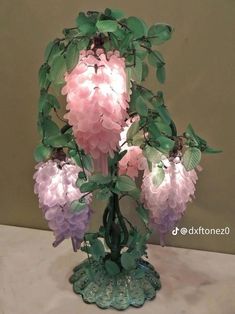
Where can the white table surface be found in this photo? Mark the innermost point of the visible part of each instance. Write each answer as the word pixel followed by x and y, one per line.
pixel 34 278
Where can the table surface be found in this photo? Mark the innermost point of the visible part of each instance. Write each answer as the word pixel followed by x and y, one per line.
pixel 34 278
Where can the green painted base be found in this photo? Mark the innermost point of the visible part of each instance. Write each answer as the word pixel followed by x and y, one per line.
pixel 128 288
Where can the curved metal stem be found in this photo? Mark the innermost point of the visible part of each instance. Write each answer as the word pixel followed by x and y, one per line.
pixel 115 226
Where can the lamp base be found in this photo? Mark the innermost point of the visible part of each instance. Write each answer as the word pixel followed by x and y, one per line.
pixel 127 288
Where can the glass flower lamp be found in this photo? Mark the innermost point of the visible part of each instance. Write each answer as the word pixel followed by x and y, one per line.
pixel 112 130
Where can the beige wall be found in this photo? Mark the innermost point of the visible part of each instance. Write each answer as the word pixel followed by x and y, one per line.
pixel 199 89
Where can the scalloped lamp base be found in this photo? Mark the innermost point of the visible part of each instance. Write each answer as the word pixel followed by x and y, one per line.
pixel 128 288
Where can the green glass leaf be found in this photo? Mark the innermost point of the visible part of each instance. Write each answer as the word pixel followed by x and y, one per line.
pixel 83 43
pixel 112 268
pixel 114 40
pixel 138 244
pixel 133 129
pixel 40 121
pixel 81 175
pixel 50 128
pixel 125 43
pixel 191 158
pixel 43 76
pixel 137 70
pixel 58 69
pixel 135 193
pixel 143 213
pixel 159 33
pixel 48 50
pixel 153 130
pixel 195 139
pixel 164 114
pixel 166 144
pixel 161 74
pixel 103 194
pixel 141 107
pixel 163 127
pixel 70 33
pixel 140 53
pixel 128 261
pixel 134 95
pixel 125 184
pixel 42 102
pixel 52 51
pixel 52 100
pixel 85 24
pixel 42 153
pixel 72 153
pixel 159 99
pixel 145 71
pixel 90 236
pixel 148 98
pixel 77 206
pixel 72 55
pixel 130 58
pixel 155 58
pixel 101 232
pixel 80 182
pixel 158 176
pixel 121 34
pixel 152 154
pixel 87 29
pixel 107 26
pixel 87 162
pixel 138 139
pixel 117 156
pixel 107 12
pixel 139 50
pixel 190 132
pixel 210 150
pixel 100 178
pixel 88 187
pixel 117 14
pixel 56 87
pixel 46 103
pixel 57 141
pixel 97 249
pixel 137 26
pixel 86 159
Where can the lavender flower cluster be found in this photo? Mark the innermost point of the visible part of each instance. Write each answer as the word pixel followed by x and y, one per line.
pixel 55 185
pixel 167 202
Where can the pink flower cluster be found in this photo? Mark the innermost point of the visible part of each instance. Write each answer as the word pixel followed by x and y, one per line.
pixel 167 202
pixel 97 100
pixel 55 185
pixel 133 161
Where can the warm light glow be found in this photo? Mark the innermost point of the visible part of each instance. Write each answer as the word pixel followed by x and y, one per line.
pixel 97 100
pixel 167 202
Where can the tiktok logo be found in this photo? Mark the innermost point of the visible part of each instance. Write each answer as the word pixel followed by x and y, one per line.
pixel 175 231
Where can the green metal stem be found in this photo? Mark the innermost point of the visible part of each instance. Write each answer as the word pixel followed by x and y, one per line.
pixel 116 233
pixel 173 128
